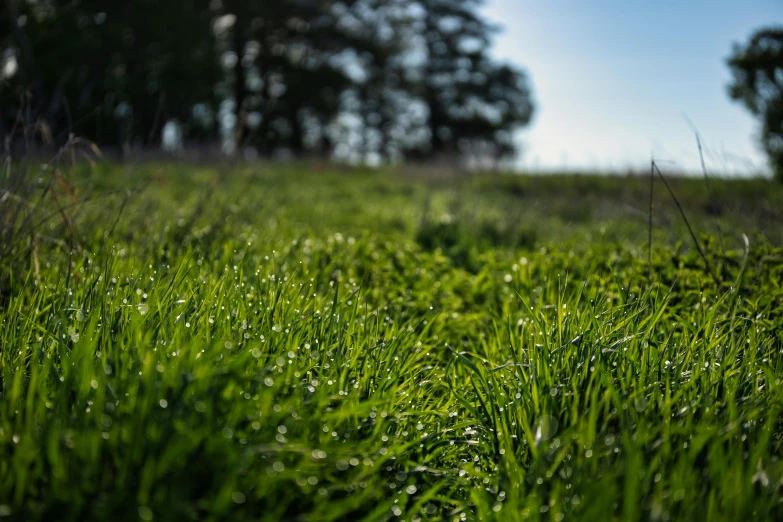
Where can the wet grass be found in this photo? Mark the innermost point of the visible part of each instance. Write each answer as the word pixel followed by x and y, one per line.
pixel 269 344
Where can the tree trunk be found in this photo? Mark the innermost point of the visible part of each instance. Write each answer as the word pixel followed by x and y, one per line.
pixel 430 94
pixel 297 137
pixel 28 71
pixel 240 89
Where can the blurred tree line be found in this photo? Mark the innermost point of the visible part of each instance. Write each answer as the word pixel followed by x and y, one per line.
pixel 363 80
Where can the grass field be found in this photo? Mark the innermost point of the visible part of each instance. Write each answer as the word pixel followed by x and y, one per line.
pixel 288 343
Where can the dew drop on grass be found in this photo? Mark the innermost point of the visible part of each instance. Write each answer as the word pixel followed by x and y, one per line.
pixel 238 497
pixel 277 328
pixel 546 428
pixel 143 308
pixel 145 513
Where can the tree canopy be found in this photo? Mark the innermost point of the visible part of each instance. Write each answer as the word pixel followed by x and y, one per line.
pixel 363 80
pixel 757 68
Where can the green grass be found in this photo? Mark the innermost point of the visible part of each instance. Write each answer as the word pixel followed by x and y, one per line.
pixel 278 344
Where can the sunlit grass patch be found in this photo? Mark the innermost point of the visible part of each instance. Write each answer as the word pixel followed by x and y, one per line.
pixel 262 350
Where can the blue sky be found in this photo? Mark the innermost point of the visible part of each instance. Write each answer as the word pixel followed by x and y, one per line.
pixel 614 81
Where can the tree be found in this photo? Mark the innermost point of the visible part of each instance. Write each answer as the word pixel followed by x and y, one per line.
pixel 758 83
pixel 474 103
pixel 404 77
pixel 383 117
pixel 111 71
pixel 294 59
